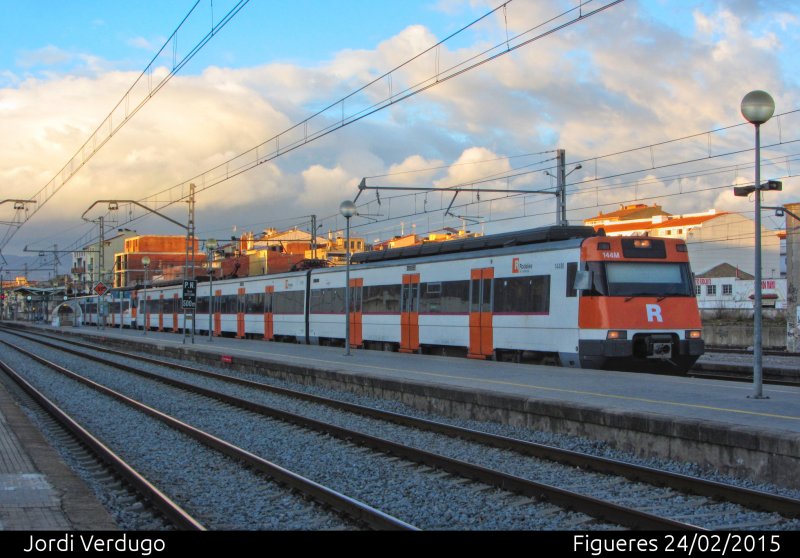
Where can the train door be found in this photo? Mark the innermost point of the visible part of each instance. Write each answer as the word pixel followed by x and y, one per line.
pixel 175 305
pixel 217 314
pixel 161 312
pixel 356 333
pixel 481 337
pixel 269 324
pixel 240 309
pixel 409 313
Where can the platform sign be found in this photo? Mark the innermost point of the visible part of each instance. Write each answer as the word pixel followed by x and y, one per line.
pixel 189 294
pixel 101 288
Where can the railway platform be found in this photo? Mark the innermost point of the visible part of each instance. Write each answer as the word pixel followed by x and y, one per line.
pixel 715 424
pixel 38 491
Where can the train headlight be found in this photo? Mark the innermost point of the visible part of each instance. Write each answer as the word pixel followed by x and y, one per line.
pixel 694 334
pixel 617 334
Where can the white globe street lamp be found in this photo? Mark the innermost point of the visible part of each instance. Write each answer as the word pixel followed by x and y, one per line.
pixel 347 208
pixel 757 108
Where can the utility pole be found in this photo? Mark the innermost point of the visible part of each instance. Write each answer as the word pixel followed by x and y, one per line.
pixel 792 277
pixel 55 264
pixel 561 188
pixel 101 249
pixel 314 237
pixel 189 261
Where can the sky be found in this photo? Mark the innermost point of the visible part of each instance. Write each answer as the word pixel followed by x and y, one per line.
pixel 644 95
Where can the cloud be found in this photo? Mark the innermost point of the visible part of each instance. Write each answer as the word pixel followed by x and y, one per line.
pixel 619 81
pixel 46 56
pixel 145 44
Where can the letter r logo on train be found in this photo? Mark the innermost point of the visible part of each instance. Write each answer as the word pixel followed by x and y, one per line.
pixel 653 313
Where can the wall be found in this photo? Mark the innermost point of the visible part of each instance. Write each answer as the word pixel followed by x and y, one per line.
pixel 741 335
pixel 728 239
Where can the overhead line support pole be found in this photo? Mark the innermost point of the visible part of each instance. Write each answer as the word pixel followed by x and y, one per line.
pixel 561 188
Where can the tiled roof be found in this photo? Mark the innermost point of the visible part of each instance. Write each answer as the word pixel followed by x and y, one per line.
pixel 629 212
pixel 650 226
pixel 725 270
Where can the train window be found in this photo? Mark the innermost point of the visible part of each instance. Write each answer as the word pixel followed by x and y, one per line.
pixel 226 304
pixel 455 297
pixel 288 302
pixel 431 299
pixel 327 301
pixel 572 270
pixel 381 299
pixel 254 303
pixel 648 279
pixel 335 298
pixel 525 295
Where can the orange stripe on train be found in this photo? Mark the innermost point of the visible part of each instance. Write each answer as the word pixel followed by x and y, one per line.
pixel 643 312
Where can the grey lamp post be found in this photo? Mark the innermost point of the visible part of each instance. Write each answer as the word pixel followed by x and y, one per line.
pixel 211 245
pixel 347 208
pixel 757 108
pixel 146 265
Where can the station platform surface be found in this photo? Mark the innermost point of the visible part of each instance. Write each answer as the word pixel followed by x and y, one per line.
pixel 38 492
pixel 644 413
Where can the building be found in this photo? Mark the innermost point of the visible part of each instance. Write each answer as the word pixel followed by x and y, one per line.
pixel 726 288
pixel 85 271
pixel 627 213
pixel 167 259
pixel 719 243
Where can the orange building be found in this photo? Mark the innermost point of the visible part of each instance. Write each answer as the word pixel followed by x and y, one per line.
pixel 167 259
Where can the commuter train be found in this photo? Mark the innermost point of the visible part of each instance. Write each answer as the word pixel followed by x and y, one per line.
pixel 561 295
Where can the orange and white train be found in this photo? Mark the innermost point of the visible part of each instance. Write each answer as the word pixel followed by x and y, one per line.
pixel 564 295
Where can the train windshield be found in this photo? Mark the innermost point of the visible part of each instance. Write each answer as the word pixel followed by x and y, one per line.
pixel 647 279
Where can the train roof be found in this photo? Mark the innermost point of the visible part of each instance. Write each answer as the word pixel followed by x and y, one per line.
pixel 503 240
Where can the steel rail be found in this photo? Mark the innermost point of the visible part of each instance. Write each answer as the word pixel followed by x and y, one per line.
pixel 600 509
pixel 163 503
pixel 353 508
pixel 746 497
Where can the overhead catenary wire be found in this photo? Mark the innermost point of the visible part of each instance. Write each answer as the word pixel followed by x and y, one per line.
pixel 124 110
pixel 305 132
pixel 255 156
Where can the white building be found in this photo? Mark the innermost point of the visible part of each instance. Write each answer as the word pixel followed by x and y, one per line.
pixel 721 253
pixel 725 287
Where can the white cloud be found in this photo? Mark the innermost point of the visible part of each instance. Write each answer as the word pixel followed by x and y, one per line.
pixel 616 82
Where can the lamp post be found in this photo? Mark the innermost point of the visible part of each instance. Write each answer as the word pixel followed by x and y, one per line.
pixel 211 245
pixel 757 108
pixel 347 208
pixel 146 264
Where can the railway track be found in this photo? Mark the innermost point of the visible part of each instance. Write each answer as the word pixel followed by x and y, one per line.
pixel 109 469
pixel 742 376
pixel 637 503
pixel 358 514
pixel 781 370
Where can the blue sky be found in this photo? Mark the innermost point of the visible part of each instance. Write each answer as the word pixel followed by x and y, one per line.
pixel 637 74
pixel 301 31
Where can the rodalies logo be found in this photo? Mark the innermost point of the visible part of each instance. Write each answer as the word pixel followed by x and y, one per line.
pixel 517 267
